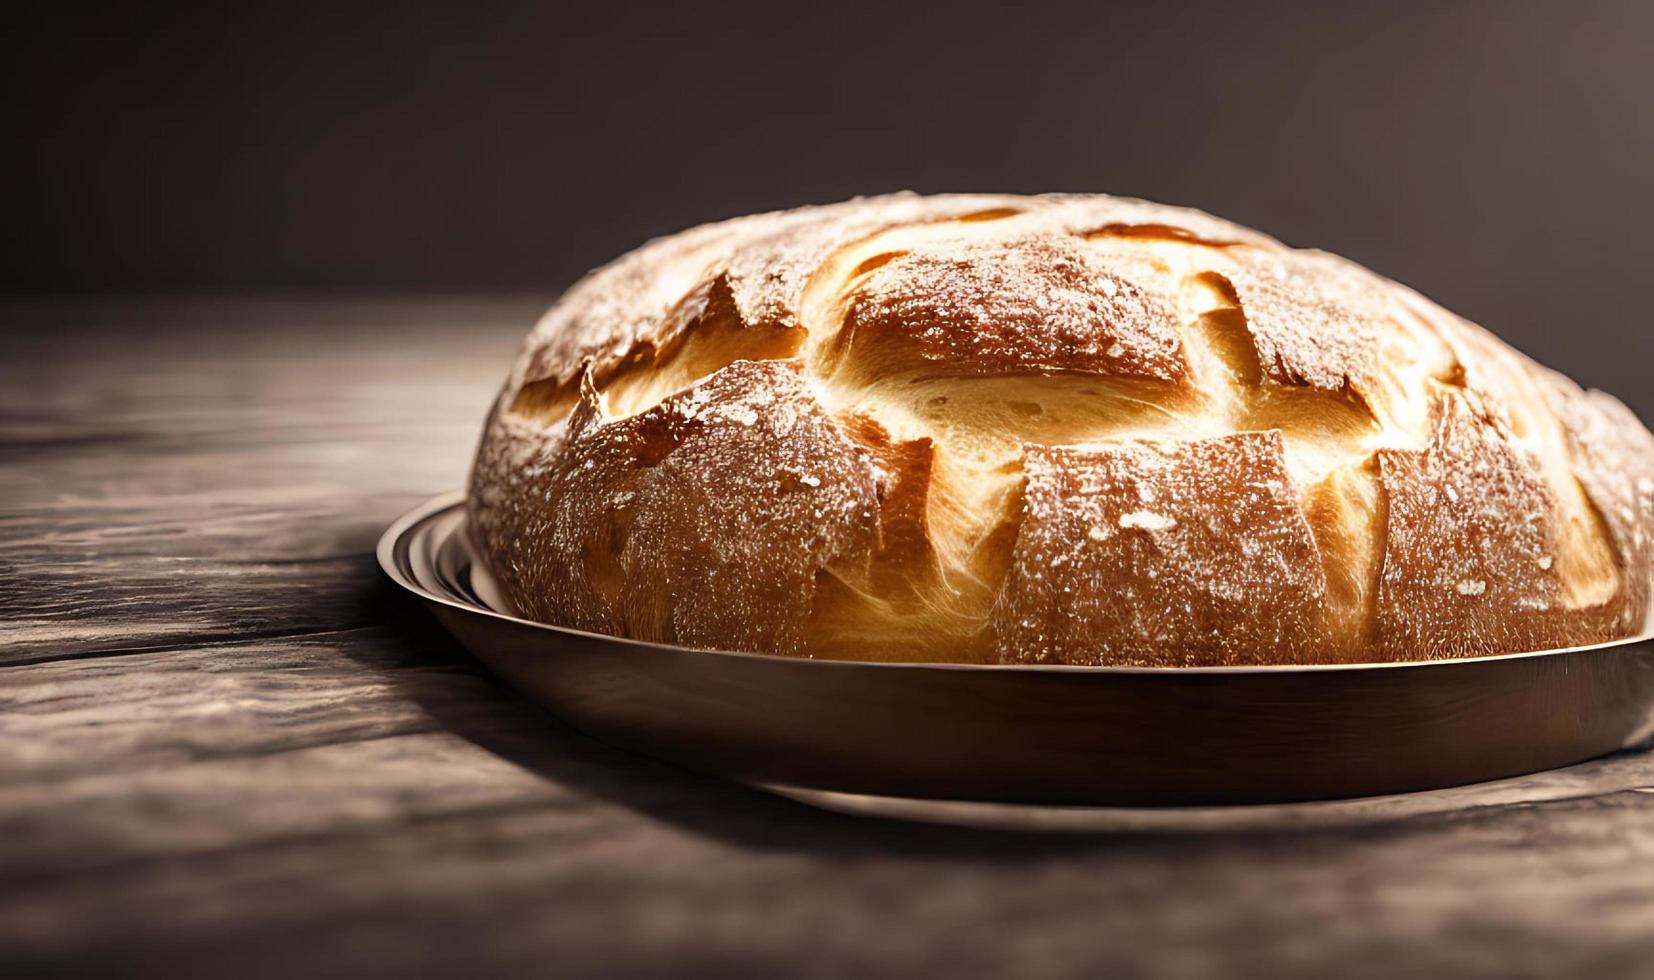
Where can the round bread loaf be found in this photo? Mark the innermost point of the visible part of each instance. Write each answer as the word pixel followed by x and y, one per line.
pixel 1049 430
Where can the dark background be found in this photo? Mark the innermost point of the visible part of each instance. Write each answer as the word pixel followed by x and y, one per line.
pixel 1494 155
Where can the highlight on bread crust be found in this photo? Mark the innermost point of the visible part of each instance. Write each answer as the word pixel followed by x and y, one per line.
pixel 1062 430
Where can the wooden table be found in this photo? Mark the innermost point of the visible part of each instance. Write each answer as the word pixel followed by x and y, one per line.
pixel 227 747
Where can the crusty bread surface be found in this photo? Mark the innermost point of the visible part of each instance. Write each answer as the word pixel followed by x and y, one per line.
pixel 1049 430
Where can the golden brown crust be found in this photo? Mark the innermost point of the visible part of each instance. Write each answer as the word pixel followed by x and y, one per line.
pixel 737 490
pixel 1316 322
pixel 1028 306
pixel 1612 456
pixel 1162 554
pixel 932 428
pixel 1470 554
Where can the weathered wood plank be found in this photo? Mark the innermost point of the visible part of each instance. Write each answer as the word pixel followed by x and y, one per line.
pixel 584 889
pixel 89 717
pixel 218 478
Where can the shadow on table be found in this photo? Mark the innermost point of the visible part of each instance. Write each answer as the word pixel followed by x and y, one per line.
pixel 433 671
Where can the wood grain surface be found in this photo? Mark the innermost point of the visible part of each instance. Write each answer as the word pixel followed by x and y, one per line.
pixel 227 748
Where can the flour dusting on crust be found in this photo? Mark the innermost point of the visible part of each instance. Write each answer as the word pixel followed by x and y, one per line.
pixel 1470 546
pixel 961 307
pixel 703 521
pixel 1161 554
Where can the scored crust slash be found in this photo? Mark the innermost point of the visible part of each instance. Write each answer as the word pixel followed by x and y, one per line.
pixel 1062 429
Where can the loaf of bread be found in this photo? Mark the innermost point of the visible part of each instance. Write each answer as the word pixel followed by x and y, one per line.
pixel 1049 430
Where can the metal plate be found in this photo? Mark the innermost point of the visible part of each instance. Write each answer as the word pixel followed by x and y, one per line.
pixel 1054 736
